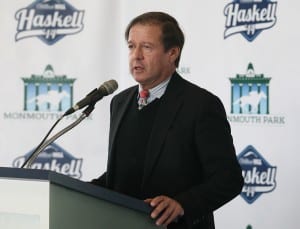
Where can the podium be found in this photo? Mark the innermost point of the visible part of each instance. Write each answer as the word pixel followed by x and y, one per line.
pixel 41 199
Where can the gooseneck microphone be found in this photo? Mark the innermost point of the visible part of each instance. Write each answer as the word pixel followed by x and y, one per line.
pixel 94 96
pixel 90 99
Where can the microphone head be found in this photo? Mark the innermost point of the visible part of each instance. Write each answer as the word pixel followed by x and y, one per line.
pixel 108 87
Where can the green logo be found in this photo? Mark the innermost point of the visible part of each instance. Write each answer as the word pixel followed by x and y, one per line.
pixel 250 93
pixel 48 91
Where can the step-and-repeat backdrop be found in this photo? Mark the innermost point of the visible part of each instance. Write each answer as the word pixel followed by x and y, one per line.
pixel 54 52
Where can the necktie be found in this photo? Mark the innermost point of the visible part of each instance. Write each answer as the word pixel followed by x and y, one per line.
pixel 144 94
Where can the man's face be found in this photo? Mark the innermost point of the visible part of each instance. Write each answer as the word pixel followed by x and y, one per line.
pixel 149 63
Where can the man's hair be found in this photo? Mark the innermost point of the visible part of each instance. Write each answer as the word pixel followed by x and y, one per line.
pixel 172 35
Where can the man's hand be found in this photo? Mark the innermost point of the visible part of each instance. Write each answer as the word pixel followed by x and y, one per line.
pixel 166 208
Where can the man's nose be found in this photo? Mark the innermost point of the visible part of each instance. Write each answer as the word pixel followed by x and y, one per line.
pixel 137 53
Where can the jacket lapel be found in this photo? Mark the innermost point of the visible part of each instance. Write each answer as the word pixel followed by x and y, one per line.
pixel 121 105
pixel 169 106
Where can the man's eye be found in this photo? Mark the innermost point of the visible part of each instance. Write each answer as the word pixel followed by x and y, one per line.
pixel 148 47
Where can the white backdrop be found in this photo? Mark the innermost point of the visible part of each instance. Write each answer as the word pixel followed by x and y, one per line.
pixel 265 139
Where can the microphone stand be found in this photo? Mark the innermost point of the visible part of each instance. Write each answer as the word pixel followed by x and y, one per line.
pixel 45 142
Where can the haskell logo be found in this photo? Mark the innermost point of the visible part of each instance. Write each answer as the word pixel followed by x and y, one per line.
pixel 56 159
pixel 250 99
pixel 259 175
pixel 249 17
pixel 48 92
pixel 49 20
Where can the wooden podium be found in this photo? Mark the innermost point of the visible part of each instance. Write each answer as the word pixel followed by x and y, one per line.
pixel 40 199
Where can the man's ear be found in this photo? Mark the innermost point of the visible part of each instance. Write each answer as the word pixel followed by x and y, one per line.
pixel 173 54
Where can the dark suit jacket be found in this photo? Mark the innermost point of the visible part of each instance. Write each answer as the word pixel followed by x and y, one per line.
pixel 190 157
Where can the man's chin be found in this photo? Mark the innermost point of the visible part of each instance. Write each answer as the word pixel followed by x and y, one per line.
pixel 140 78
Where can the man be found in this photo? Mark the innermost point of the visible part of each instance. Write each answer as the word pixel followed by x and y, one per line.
pixel 173 149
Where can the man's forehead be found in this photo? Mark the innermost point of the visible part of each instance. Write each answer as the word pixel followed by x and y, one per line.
pixel 147 31
pixel 150 26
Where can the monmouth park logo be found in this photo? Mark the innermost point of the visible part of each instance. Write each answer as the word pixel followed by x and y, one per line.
pixel 56 159
pixel 250 102
pixel 249 17
pixel 49 20
pixel 48 92
pixel 250 93
pixel 259 175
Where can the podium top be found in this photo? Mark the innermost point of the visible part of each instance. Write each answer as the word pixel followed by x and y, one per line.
pixel 76 185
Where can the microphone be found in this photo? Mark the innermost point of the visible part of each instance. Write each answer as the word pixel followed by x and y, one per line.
pixel 94 96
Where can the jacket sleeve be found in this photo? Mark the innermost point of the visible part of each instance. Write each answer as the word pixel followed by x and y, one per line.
pixel 100 181
pixel 222 176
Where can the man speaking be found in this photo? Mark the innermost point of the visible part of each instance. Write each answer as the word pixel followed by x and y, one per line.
pixel 170 142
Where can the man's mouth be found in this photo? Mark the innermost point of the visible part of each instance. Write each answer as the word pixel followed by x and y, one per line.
pixel 138 68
